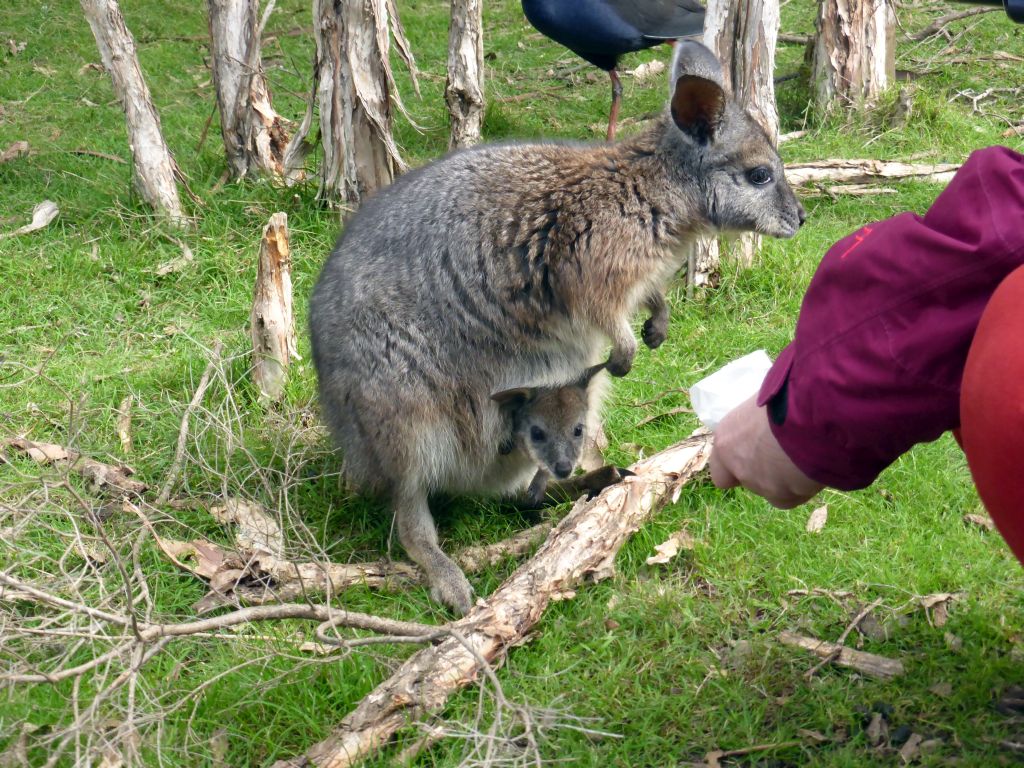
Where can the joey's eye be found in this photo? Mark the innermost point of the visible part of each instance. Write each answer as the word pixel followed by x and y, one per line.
pixel 537 434
pixel 578 431
pixel 759 176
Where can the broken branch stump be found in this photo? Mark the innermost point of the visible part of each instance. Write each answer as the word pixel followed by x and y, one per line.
pixel 583 545
pixel 272 323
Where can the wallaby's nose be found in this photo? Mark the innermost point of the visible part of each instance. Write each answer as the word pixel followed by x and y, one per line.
pixel 563 469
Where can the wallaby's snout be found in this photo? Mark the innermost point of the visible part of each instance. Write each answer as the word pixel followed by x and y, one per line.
pixel 563 469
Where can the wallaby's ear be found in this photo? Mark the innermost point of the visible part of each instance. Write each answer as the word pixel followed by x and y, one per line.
pixel 514 398
pixel 697 107
pixel 696 91
pixel 584 381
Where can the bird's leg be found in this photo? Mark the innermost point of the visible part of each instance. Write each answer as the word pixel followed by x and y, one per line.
pixel 613 116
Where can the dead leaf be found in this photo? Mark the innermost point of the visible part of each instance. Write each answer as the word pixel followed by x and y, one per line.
pixel 92 66
pixel 911 750
pixel 176 264
pixel 670 547
pixel 219 748
pixel 256 529
pixel 942 690
pixel 16 150
pixel 124 423
pixel 816 522
pixel 648 70
pixel 982 521
pixel 953 642
pixel 45 71
pixel 42 214
pixel 16 46
pixel 815 736
pixel 936 606
pixel 206 558
pixel 44 453
pixel 878 730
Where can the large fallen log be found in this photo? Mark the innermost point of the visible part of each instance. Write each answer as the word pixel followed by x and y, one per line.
pixel 582 546
pixel 863 171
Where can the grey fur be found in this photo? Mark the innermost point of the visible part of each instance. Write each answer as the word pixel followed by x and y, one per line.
pixel 509 264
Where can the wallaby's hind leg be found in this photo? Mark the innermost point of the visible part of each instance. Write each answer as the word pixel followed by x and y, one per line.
pixel 418 535
pixel 623 349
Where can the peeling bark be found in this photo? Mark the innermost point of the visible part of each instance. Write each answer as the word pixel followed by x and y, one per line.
pixel 583 546
pixel 354 89
pixel 464 90
pixel 271 323
pixel 155 171
pixel 254 134
pixel 854 60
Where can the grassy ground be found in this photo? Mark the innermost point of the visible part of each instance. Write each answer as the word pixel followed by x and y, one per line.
pixel 676 660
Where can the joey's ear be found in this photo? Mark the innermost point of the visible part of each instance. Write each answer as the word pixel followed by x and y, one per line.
pixel 698 105
pixel 584 381
pixel 514 398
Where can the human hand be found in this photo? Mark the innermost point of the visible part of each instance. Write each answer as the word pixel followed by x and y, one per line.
pixel 746 453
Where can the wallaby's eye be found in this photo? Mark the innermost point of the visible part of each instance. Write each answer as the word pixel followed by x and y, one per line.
pixel 537 434
pixel 759 176
pixel 578 431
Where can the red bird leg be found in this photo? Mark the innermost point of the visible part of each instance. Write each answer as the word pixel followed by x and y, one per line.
pixel 613 116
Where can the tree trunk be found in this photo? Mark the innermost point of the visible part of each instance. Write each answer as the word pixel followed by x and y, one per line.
pixel 853 57
pixel 254 134
pixel 464 90
pixel 272 323
pixel 355 87
pixel 743 35
pixel 583 546
pixel 155 171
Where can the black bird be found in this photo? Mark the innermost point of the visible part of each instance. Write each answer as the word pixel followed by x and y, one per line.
pixel 600 31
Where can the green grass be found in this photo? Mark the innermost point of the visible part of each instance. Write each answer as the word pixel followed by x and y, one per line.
pixel 677 660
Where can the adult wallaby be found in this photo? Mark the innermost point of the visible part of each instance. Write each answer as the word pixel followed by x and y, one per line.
pixel 505 264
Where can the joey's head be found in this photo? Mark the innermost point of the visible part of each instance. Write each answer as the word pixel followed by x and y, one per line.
pixel 725 151
pixel 549 423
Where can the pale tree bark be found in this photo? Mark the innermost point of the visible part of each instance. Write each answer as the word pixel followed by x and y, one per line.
pixel 354 88
pixel 254 134
pixel 155 171
pixel 743 35
pixel 464 90
pixel 582 547
pixel 854 56
pixel 272 323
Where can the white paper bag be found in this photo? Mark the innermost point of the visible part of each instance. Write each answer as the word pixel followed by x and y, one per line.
pixel 714 396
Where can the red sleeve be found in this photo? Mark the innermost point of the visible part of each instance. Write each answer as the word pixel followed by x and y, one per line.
pixel 878 354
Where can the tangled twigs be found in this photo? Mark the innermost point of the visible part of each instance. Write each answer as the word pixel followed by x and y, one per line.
pixel 834 654
pixel 197 398
pixel 940 24
pixel 150 632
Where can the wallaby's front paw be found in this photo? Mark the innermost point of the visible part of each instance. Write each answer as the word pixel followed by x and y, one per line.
pixel 604 477
pixel 453 590
pixel 655 331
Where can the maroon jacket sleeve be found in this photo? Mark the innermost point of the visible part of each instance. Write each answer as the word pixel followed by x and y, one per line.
pixel 883 333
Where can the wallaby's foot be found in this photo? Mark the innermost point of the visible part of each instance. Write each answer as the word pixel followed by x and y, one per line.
pixel 450 587
pixel 655 331
pixel 621 360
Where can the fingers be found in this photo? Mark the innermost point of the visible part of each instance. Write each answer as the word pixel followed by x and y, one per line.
pixel 721 476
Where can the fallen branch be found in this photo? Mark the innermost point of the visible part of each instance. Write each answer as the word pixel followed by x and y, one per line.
pixel 861 615
pixel 582 546
pixel 942 22
pixel 867 663
pixel 864 171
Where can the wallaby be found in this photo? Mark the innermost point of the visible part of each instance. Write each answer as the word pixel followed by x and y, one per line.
pixel 547 426
pixel 505 264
